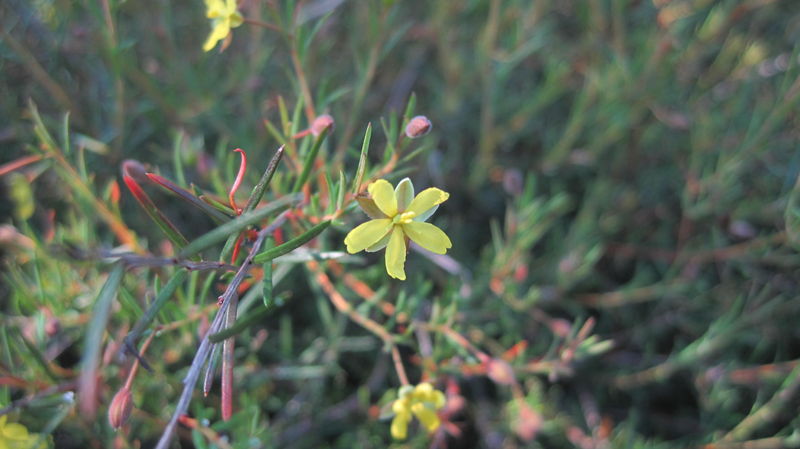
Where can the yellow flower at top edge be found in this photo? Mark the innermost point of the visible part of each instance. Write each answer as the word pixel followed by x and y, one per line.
pixel 421 401
pixel 224 16
pixel 16 436
pixel 396 214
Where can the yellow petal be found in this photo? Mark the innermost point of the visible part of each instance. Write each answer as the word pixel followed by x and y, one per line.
pixel 367 234
pixel 230 6
pixel 236 19
pixel 427 199
pixel 438 399
pixel 15 431
pixel 404 192
pixel 3 443
pixel 424 392
pixel 399 427
pixel 424 389
pixel 396 254
pixel 215 9
pixel 380 244
pixel 219 32
pixel 427 214
pixel 426 416
pixel 428 236
pixel 400 406
pixel 383 195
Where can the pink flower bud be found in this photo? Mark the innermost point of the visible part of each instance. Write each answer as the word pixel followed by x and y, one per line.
pixel 120 409
pixel 418 126
pixel 500 372
pixel 321 123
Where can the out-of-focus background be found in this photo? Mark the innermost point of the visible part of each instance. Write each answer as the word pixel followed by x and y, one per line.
pixel 623 209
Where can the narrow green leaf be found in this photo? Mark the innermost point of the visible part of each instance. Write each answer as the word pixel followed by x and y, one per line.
pixel 390 139
pixel 40 130
pixel 291 245
pixel 332 192
pixel 266 285
pixel 412 103
pixel 792 216
pixel 362 160
pixel 94 334
pixel 263 183
pixel 224 208
pixel 340 191
pixel 240 325
pixel 164 295
pixel 284 114
pixel 311 156
pixel 38 357
pixel 177 160
pixel 161 220
pixel 81 165
pixel 295 123
pixel 236 225
pixel 276 134
pixel 65 143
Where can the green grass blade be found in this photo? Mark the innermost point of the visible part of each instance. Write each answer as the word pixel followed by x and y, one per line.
pixel 308 164
pixel 177 160
pixel 94 337
pixel 266 282
pixel 149 315
pixel 362 160
pixel 291 245
pixel 263 183
pixel 155 214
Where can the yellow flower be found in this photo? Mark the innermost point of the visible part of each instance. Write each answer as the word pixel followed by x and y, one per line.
pixel 397 214
pixel 16 436
pixel 224 16
pixel 421 401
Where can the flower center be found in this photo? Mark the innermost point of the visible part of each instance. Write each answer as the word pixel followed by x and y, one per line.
pixel 405 217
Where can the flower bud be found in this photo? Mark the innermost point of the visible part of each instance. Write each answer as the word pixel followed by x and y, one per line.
pixel 321 123
pixel 500 372
pixel 120 409
pixel 418 126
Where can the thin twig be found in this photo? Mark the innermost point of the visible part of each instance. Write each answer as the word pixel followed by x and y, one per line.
pixel 205 345
pixel 261 24
pixel 19 163
pixel 227 362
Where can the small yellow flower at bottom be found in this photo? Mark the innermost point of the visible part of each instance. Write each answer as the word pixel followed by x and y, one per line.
pixel 422 402
pixel 396 215
pixel 224 16
pixel 16 436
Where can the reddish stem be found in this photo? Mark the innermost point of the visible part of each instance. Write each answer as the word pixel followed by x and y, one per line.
pixel 302 133
pixel 236 248
pixel 19 163
pixel 238 181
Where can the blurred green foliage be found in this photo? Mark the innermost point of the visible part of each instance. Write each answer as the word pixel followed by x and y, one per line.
pixel 624 212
